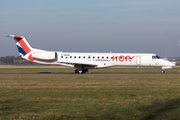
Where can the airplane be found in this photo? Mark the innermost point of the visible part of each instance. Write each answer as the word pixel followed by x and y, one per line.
pixel 85 61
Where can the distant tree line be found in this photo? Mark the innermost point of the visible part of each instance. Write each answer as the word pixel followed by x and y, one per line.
pixel 13 60
pixel 8 59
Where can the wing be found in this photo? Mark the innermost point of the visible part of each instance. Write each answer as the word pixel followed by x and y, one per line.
pixel 78 64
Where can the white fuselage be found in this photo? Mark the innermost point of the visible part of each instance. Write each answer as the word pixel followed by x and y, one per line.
pixel 100 60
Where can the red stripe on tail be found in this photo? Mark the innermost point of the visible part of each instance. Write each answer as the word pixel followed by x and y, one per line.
pixel 23 45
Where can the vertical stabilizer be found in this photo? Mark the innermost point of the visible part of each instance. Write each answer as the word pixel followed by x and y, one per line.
pixel 23 46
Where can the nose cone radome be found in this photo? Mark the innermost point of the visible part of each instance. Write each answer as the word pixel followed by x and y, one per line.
pixel 170 63
pixel 167 63
pixel 173 63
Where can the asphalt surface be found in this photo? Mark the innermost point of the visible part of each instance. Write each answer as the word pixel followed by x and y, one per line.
pixel 87 74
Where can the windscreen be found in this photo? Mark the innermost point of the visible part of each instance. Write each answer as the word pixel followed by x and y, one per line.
pixel 156 57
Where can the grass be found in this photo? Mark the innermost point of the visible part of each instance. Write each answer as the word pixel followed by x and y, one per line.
pixel 105 70
pixel 89 97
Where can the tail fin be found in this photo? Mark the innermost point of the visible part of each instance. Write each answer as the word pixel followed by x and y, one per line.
pixel 23 46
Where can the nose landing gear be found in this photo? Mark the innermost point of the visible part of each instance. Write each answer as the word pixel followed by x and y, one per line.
pixel 83 71
pixel 162 71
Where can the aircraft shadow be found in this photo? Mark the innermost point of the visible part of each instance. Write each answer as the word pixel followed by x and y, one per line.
pixel 162 109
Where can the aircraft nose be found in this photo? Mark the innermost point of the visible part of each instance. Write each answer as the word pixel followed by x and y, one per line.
pixel 174 63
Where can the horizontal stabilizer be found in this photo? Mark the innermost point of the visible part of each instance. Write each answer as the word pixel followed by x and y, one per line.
pixel 15 36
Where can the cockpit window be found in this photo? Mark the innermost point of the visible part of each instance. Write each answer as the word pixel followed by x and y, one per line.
pixel 156 57
pixel 153 57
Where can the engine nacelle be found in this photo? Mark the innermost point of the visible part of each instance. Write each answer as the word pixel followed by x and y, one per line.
pixel 45 55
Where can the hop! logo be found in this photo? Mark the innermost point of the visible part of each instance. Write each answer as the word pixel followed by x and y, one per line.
pixel 122 58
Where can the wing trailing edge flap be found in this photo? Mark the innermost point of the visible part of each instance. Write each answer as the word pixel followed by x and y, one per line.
pixel 83 65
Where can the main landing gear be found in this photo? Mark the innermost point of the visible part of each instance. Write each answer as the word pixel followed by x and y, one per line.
pixel 76 71
pixel 83 71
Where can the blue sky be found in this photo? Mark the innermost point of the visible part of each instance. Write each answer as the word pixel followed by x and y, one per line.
pixel 141 26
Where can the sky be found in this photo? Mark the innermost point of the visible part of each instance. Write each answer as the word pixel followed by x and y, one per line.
pixel 119 26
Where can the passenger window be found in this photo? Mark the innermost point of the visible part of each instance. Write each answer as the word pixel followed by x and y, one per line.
pixel 102 57
pixel 70 56
pixel 79 56
pixel 84 57
pixel 93 57
pixel 98 57
pixel 75 57
pixel 61 56
pixel 106 57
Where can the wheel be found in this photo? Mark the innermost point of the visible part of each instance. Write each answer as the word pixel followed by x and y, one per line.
pixel 162 71
pixel 76 71
pixel 85 70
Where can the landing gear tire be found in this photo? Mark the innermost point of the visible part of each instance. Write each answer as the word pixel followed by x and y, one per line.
pixel 84 71
pixel 76 71
pixel 162 71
